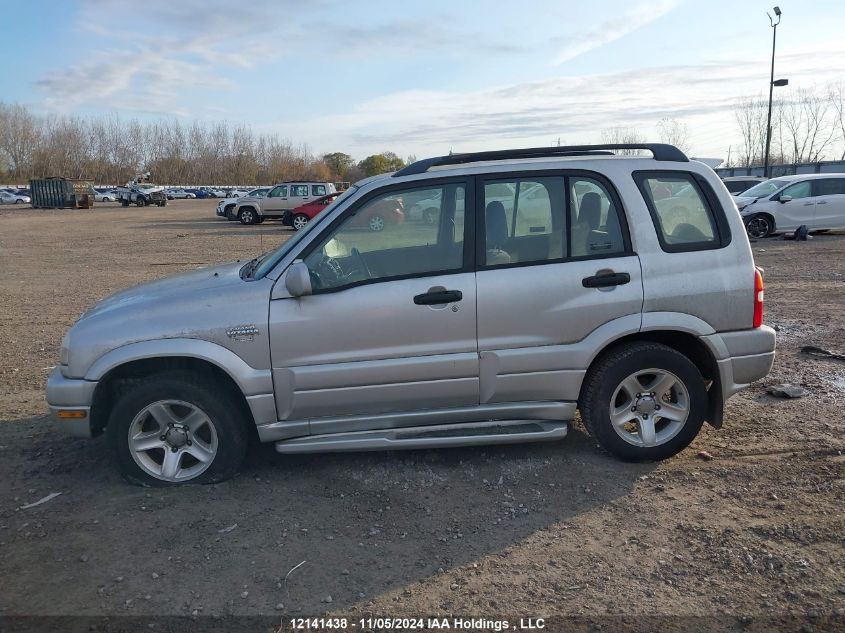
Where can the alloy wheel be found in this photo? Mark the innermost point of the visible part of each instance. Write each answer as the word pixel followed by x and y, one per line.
pixel 172 440
pixel 649 407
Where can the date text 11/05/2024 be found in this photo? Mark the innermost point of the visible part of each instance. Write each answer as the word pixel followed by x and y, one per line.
pixel 412 624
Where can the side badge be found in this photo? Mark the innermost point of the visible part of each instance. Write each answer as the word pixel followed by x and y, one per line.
pixel 242 332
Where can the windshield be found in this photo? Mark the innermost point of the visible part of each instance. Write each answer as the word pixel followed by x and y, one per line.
pixel 267 261
pixel 764 188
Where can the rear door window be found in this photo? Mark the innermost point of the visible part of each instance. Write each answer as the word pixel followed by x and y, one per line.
pixel 830 187
pixel 299 191
pixel 318 190
pixel 682 212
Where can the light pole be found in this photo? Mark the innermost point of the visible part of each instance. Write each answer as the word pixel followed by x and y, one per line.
pixel 772 84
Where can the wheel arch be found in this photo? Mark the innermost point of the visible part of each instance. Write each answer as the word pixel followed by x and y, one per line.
pixel 685 342
pixel 110 386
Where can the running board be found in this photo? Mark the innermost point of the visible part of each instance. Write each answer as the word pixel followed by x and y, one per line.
pixel 441 436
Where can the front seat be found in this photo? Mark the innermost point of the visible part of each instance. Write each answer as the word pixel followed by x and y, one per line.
pixel 497 233
pixel 589 218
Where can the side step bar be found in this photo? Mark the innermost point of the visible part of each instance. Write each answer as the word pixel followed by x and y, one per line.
pixel 440 436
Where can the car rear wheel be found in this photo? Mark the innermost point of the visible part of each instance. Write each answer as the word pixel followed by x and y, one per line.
pixel 141 202
pixel 300 220
pixel 376 223
pixel 759 226
pixel 430 216
pixel 643 402
pixel 247 216
pixel 173 429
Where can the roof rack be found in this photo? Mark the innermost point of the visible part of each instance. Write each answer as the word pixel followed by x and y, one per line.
pixel 661 151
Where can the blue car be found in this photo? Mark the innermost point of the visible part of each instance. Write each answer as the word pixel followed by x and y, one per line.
pixel 199 193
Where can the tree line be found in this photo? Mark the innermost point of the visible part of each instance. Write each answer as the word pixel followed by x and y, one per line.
pixel 808 125
pixel 111 150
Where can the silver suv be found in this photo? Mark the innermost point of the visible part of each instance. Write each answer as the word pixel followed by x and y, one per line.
pixel 550 280
pixel 279 200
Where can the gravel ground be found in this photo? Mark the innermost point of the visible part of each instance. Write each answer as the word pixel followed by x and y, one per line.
pixel 755 534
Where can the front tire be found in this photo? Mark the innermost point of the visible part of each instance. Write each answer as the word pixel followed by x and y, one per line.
pixel 247 216
pixel 139 201
pixel 173 429
pixel 759 226
pixel 643 402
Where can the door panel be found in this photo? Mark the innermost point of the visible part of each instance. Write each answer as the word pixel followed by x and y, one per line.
pixel 830 203
pixel 371 349
pixel 512 314
pixel 800 210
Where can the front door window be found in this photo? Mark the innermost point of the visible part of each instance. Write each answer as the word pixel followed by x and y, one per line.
pixel 378 241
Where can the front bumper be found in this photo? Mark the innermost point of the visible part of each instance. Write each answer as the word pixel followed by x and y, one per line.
pixel 71 395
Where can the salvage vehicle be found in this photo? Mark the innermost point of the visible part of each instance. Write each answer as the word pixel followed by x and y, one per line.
pixel 226 205
pixel 492 325
pixel 784 204
pixel 142 194
pixel 281 198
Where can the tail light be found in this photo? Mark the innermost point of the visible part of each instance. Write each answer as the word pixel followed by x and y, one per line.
pixel 758 298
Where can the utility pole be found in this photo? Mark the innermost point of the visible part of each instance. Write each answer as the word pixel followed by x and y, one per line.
pixel 772 84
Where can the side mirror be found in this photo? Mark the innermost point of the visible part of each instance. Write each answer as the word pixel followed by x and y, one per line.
pixel 783 199
pixel 298 280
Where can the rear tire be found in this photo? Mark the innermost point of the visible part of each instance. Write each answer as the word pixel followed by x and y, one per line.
pixel 139 201
pixel 643 402
pixel 205 422
pixel 299 221
pixel 376 223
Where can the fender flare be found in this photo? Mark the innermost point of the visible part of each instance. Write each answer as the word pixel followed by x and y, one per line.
pixel 250 381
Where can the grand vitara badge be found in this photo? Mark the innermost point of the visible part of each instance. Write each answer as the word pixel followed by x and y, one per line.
pixel 242 332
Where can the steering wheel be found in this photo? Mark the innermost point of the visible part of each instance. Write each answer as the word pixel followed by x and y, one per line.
pixel 327 273
pixel 362 262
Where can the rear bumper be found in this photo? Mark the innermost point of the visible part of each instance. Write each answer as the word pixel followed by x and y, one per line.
pixel 743 357
pixel 71 394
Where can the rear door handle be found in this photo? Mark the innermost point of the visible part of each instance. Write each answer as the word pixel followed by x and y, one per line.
pixel 605 280
pixel 810 204
pixel 438 296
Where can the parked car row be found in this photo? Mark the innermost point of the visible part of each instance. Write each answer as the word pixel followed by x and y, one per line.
pixel 14 197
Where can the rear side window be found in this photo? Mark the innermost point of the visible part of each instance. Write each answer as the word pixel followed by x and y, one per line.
pixel 318 190
pixel 684 213
pixel 299 190
pixel 830 187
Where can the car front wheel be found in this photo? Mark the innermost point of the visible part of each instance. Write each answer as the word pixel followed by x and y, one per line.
pixel 643 402
pixel 247 216
pixel 758 226
pixel 173 429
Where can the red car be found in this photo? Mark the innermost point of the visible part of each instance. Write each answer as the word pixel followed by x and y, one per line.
pixel 374 216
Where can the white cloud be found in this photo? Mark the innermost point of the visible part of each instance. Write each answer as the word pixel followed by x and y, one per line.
pixel 575 108
pixel 615 28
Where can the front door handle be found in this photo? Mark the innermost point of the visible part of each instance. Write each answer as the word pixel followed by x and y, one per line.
pixel 822 202
pixel 809 204
pixel 605 280
pixel 435 297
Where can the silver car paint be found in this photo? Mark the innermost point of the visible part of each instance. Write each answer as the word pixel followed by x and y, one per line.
pixel 368 358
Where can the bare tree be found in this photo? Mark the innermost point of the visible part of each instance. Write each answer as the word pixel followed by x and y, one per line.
pixel 805 117
pixel 750 114
pixel 836 96
pixel 623 136
pixel 674 132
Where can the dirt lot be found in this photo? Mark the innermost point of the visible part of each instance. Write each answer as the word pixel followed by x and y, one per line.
pixel 532 530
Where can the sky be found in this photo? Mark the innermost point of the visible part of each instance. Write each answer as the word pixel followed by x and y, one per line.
pixel 418 77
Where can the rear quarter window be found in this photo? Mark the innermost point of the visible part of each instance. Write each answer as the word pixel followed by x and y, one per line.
pixel 684 209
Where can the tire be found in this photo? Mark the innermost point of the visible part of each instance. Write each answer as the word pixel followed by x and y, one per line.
pixel 759 226
pixel 376 223
pixel 247 215
pixel 640 432
pixel 124 203
pixel 220 435
pixel 299 221
pixel 18 201
pixel 141 202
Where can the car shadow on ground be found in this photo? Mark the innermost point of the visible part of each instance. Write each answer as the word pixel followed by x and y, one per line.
pixel 310 532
